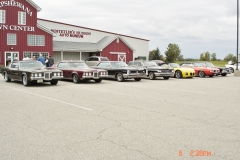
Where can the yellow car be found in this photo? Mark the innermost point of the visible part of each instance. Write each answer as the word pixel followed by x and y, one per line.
pixel 180 72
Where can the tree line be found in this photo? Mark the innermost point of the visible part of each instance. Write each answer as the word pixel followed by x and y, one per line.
pixel 173 53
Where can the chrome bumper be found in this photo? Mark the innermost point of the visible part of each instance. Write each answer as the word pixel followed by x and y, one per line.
pixel 160 74
pixel 126 76
pixel 92 77
pixel 46 79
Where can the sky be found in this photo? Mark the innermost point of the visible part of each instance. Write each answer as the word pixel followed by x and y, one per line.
pixel 196 26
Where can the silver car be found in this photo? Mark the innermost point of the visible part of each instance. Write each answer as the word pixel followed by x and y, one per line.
pixel 93 60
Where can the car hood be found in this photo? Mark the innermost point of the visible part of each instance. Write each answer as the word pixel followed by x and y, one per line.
pixel 82 69
pixel 41 70
pixel 184 69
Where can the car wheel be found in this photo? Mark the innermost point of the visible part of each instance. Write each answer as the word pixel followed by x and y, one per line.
pixel 137 79
pixel 231 70
pixel 151 75
pixel 224 74
pixel 7 79
pixel 98 80
pixel 201 74
pixel 75 78
pixel 166 77
pixel 25 80
pixel 120 77
pixel 178 74
pixel 54 82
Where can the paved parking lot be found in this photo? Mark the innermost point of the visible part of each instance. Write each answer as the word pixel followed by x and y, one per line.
pixel 171 119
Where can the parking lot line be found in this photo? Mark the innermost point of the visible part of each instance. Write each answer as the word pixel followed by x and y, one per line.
pixel 50 98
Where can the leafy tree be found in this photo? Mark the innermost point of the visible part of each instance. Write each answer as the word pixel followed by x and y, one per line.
pixel 172 53
pixel 213 57
pixel 230 57
pixel 205 56
pixel 180 58
pixel 155 55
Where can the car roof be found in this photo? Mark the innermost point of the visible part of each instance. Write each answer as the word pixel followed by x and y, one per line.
pixel 71 61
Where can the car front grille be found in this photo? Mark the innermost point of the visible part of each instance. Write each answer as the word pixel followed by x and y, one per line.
pixel 215 71
pixel 133 71
pixel 95 75
pixel 166 71
pixel 48 75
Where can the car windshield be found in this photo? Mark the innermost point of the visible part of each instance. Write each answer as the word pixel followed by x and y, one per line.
pixel 104 59
pixel 174 65
pixel 77 64
pixel 198 65
pixel 152 64
pixel 31 64
pixel 209 64
pixel 119 64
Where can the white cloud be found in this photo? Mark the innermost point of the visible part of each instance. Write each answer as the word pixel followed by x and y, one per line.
pixel 195 25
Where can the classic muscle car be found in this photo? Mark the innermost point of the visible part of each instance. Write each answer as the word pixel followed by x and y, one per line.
pixel 78 71
pixel 120 70
pixel 200 69
pixel 223 70
pixel 232 67
pixel 180 72
pixel 152 69
pixel 30 71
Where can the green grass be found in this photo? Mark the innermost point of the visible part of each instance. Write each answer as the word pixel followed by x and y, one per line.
pixel 215 63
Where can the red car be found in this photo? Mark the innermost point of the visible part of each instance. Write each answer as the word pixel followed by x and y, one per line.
pixel 78 71
pixel 201 70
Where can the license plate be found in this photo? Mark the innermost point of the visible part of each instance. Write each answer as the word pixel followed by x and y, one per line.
pixel 39 81
pixel 138 76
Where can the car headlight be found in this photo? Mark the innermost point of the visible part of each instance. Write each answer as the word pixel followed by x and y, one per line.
pixel 55 74
pixel 59 74
pixel 40 74
pixel 128 72
pixel 36 74
pixel 90 74
pixel 86 74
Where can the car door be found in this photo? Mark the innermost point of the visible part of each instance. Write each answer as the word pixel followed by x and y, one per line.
pixel 14 72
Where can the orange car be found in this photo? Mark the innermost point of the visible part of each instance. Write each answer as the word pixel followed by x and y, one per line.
pixel 201 70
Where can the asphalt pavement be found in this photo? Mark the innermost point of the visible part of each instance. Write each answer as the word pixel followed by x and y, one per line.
pixel 159 119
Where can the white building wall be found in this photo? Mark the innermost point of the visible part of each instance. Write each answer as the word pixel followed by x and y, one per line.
pixel 141 46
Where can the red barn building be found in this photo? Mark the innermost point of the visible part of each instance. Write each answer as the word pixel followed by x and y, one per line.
pixel 22 34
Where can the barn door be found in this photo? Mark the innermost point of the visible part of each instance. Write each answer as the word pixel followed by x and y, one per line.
pixel 122 57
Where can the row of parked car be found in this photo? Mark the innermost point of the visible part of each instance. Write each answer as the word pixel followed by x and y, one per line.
pixel 32 71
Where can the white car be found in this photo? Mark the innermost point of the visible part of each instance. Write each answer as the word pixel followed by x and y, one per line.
pixel 232 66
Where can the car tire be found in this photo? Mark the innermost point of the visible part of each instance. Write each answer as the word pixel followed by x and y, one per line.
pixel 25 80
pixel 75 78
pixel 54 82
pixel 231 70
pixel 151 75
pixel 7 79
pixel 137 79
pixel 98 80
pixel 166 77
pixel 224 74
pixel 178 74
pixel 120 77
pixel 201 74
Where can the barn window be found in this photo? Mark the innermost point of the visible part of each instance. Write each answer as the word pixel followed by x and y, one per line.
pixel 2 16
pixel 36 40
pixel 11 39
pixel 22 18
